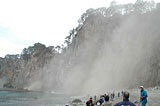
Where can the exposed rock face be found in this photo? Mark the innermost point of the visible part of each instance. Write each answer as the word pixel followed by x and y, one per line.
pixel 112 48
pixel 16 70
pixel 114 51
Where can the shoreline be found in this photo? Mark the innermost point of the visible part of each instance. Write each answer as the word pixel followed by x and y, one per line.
pixel 14 90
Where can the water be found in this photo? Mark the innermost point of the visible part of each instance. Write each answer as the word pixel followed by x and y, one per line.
pixel 32 99
pixel 57 99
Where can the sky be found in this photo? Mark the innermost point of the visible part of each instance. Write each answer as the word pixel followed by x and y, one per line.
pixel 25 22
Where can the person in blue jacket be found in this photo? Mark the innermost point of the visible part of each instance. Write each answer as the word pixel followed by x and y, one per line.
pixel 101 99
pixel 143 96
pixel 125 101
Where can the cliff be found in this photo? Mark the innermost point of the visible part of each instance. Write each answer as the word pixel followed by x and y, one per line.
pixel 111 48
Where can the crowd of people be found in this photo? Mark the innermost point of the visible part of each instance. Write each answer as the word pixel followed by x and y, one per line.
pixel 106 99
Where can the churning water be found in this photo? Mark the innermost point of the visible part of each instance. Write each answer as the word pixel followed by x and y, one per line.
pixel 32 99
pixel 55 99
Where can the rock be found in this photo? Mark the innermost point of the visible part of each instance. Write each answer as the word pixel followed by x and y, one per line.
pixel 76 101
pixel 8 85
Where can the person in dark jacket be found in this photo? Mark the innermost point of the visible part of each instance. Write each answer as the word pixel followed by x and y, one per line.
pixel 107 102
pixel 118 94
pixel 122 92
pixel 125 101
pixel 113 95
pixel 90 102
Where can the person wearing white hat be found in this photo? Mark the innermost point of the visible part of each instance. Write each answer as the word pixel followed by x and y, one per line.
pixel 143 96
pixel 141 87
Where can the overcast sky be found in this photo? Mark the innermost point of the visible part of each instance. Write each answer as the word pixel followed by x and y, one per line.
pixel 25 22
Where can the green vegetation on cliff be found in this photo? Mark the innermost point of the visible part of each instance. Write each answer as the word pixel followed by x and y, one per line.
pixel 110 44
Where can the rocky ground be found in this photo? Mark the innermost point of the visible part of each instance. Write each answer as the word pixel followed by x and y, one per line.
pixel 153 97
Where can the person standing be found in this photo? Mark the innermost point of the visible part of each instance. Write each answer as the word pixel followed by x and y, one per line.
pixel 90 102
pixel 102 99
pixel 143 96
pixel 125 101
pixel 107 102
pixel 95 99
pixel 122 92
pixel 113 95
pixel 118 94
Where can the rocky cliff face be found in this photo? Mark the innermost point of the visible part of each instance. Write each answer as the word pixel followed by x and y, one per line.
pixel 115 49
pixel 17 70
pixel 112 48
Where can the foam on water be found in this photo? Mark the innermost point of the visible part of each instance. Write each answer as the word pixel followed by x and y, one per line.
pixel 32 99
pixel 53 99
